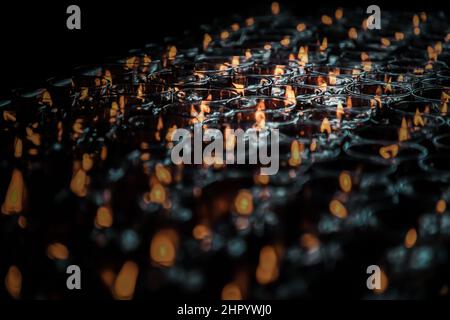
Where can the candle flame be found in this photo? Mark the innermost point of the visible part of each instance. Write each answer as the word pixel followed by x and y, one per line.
pixel 163 248
pixel 125 282
pixel 325 126
pixel 388 152
pixel 403 133
pixel 267 270
pixel 418 119
pixel 104 217
pixel 243 203
pixel 13 282
pixel 338 209
pixel 352 33
pixel 410 238
pixel 15 197
pixel 296 151
pixel 345 181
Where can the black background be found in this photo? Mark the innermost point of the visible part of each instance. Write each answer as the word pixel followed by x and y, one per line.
pixel 35 43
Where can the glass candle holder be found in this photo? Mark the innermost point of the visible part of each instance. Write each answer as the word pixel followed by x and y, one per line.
pixel 177 78
pixel 243 84
pixel 410 108
pixel 206 94
pixel 442 143
pixel 385 92
pixel 330 83
pixel 277 73
pixel 335 70
pixel 349 103
pixel 400 128
pixel 385 152
pixel 430 94
pixel 302 94
pixel 436 164
pixel 407 79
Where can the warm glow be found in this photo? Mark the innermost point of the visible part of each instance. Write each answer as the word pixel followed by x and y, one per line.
pixel 345 181
pixel 157 194
pixel 324 44
pixel 235 61
pixel 338 209
pixel 303 55
pixel 206 41
pixel 15 195
pixel 352 33
pixel 231 291
pixel 410 238
pixel 418 119
pixel 57 251
pixel 290 96
pixel 399 36
pixel 339 110
pixel 13 282
pixel 301 27
pixel 267 270
pixel 327 20
pixel 163 174
pixel 279 71
pixel 441 206
pixel 296 151
pixel 239 88
pixel 389 152
pixel 104 217
pixel 79 183
pixel 349 102
pixel 243 203
pixel 385 42
pixel 325 126
pixel 275 8
pixel 201 231
pixel 403 132
pixel 125 283
pixel 339 13
pixel 163 247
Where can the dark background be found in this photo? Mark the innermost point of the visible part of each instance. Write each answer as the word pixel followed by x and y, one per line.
pixel 35 43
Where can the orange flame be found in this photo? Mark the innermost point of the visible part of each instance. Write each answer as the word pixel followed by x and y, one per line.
pixel 352 33
pixel 338 209
pixel 324 44
pixel 279 71
pixel 345 181
pixel 158 194
pixel 275 8
pixel 441 206
pixel 125 283
pixel 15 195
pixel 104 217
pixel 290 95
pixel 399 36
pixel 410 238
pixel 243 203
pixel 339 110
pixel 339 13
pixel 301 27
pixel 163 247
pixel 267 270
pixel 325 126
pixel 349 102
pixel 389 152
pixel 206 41
pixel 57 251
pixel 418 119
pixel 79 183
pixel 326 20
pixel 403 133
pixel 163 174
pixel 296 151
pixel 13 282
pixel 231 291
